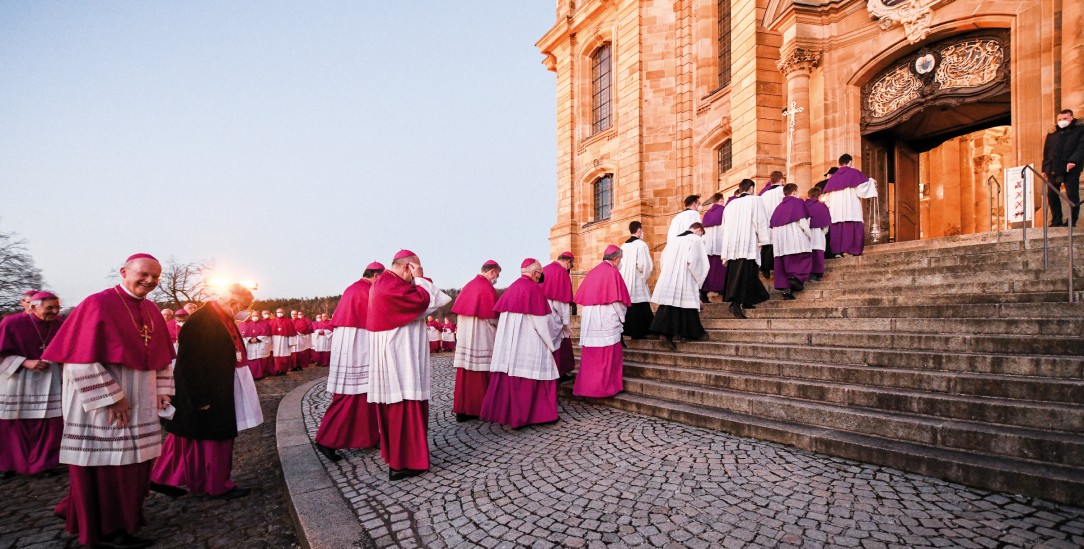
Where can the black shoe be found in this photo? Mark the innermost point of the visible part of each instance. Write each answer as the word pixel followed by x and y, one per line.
pixel 789 297
pixel 795 284
pixel 400 474
pixel 816 277
pixel 562 379
pixel 4 475
pixel 735 309
pixel 749 307
pixel 167 490
pixel 460 418
pixel 123 540
pixel 704 297
pixel 670 342
pixel 327 452
pixel 235 493
pixel 833 256
pixel 1057 223
pixel 623 344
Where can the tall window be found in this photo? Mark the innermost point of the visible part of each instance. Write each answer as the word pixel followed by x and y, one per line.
pixel 601 112
pixel 726 157
pixel 604 196
pixel 724 43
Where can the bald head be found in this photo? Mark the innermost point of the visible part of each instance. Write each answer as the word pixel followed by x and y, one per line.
pixel 140 276
pixel 235 298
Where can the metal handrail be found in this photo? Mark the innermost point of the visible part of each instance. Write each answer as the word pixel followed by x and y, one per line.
pixel 990 182
pixel 1057 190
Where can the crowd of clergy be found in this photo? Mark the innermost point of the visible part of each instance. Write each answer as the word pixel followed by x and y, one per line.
pixel 96 390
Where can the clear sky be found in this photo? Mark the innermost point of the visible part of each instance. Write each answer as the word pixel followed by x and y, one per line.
pixel 287 142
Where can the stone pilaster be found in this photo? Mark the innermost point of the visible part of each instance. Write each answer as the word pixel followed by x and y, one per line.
pixel 796 65
pixel 1072 57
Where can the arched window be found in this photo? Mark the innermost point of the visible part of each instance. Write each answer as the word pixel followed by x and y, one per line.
pixel 725 157
pixel 724 43
pixel 601 93
pixel 604 196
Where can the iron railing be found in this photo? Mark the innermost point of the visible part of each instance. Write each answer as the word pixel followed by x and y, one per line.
pixel 1046 225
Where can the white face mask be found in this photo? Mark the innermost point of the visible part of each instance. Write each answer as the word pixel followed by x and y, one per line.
pixel 1063 124
pixel 280 315
pixel 493 282
pixel 180 323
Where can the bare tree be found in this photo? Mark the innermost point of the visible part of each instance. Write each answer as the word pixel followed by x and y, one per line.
pixel 18 273
pixel 181 283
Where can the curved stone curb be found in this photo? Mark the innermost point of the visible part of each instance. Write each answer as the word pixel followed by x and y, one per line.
pixel 321 516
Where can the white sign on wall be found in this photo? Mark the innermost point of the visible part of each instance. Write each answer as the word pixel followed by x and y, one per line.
pixel 1019 190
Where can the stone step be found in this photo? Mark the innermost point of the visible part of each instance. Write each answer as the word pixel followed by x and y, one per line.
pixel 964 343
pixel 1058 483
pixel 986 326
pixel 1061 367
pixel 925 299
pixel 978 240
pixel 843 277
pixel 919 291
pixel 1039 389
pixel 1047 416
pixel 1057 245
pixel 1042 445
pixel 817 310
pixel 993 261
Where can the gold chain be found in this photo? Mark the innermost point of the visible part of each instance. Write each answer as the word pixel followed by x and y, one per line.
pixel 146 331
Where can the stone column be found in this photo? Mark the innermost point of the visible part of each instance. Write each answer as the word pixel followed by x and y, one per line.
pixel 796 65
pixel 1072 57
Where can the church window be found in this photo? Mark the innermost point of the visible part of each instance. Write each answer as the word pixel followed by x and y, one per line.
pixel 601 90
pixel 724 43
pixel 726 157
pixel 604 196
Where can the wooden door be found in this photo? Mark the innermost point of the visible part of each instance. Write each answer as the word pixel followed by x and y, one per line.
pixel 906 186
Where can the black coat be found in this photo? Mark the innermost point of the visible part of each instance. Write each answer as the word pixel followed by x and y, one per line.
pixel 206 358
pixel 1064 145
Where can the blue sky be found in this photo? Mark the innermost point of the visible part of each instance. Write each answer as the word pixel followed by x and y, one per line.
pixel 287 142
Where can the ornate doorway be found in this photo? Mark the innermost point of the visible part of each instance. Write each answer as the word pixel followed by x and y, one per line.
pixel 920 117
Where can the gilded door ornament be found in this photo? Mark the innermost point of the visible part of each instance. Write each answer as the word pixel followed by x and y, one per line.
pixel 893 90
pixel 968 66
pixel 969 63
pixel 914 15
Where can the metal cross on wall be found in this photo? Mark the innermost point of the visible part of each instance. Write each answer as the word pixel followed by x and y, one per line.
pixel 791 112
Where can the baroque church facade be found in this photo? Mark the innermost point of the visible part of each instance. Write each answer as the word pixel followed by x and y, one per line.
pixel 657 100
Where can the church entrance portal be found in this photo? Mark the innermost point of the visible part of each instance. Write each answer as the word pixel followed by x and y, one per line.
pixel 935 126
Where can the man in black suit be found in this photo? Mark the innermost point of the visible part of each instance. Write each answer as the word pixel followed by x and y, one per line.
pixel 198 452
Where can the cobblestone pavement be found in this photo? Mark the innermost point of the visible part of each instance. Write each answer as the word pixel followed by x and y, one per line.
pixel 260 520
pixel 605 478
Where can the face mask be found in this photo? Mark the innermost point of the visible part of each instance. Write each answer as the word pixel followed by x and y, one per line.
pixel 180 323
pixel 1063 124
pixel 241 316
pixel 493 282
pixel 541 277
pixel 280 315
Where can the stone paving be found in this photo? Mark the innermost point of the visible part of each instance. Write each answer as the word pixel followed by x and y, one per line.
pixel 605 478
pixel 261 520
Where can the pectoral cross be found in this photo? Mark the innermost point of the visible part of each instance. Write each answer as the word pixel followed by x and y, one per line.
pixel 145 333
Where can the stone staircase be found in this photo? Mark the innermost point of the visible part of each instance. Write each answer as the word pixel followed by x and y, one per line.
pixel 955 358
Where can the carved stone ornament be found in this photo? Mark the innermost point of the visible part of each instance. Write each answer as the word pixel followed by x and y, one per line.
pixel 799 59
pixel 973 65
pixel 914 15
